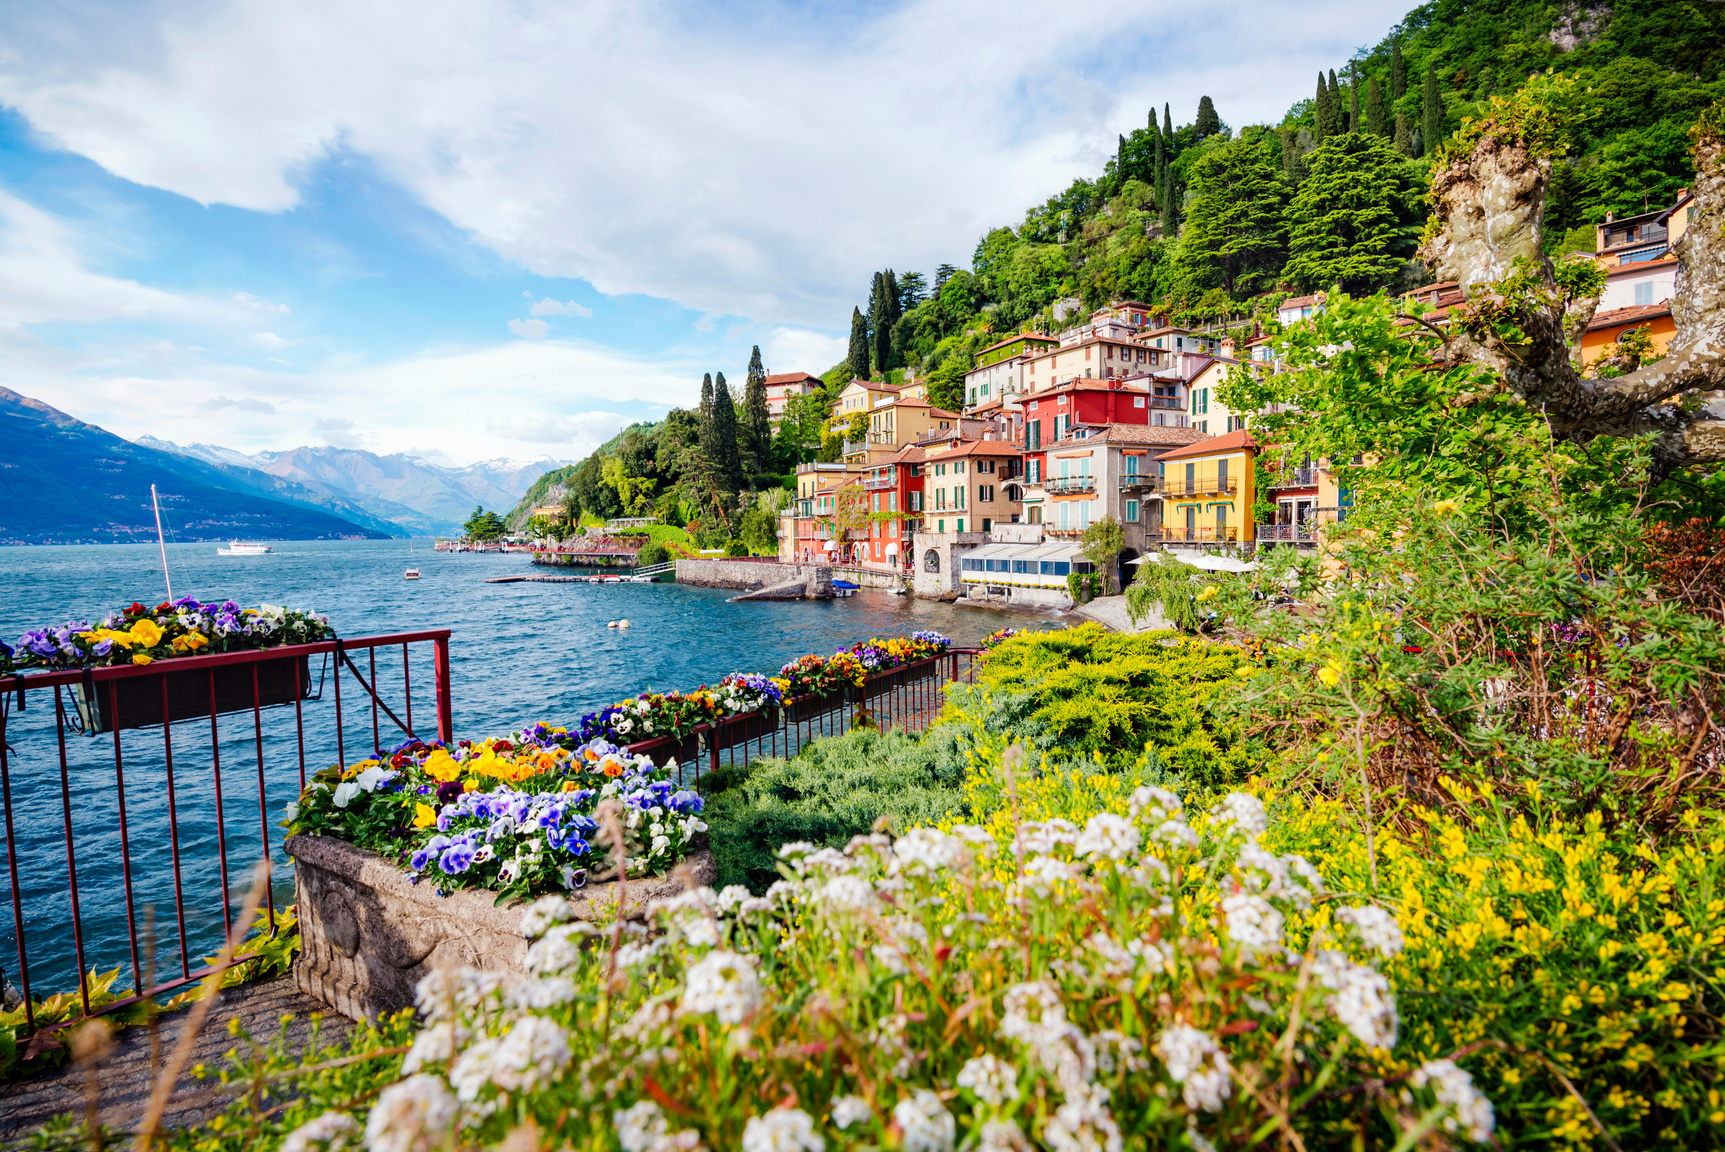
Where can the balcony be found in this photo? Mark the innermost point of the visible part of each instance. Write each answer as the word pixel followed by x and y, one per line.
pixel 1169 535
pixel 1061 485
pixel 1200 485
pixel 1062 533
pixel 881 438
pixel 885 483
pixel 853 447
pixel 1173 403
pixel 1132 482
pixel 1305 532
pixel 1297 478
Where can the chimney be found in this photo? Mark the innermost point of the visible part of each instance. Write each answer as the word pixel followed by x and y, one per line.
pixel 1681 193
pixel 1228 347
pixel 1610 217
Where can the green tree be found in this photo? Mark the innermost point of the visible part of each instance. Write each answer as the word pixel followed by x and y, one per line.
pixel 1398 73
pixel 912 290
pixel 1431 111
pixel 1102 544
pixel 1207 123
pixel 1354 123
pixel 719 439
pixel 1234 238
pixel 706 396
pixel 483 525
pixel 858 355
pixel 759 529
pixel 1404 141
pixel 1321 111
pixel 755 429
pixel 1377 115
pixel 1353 221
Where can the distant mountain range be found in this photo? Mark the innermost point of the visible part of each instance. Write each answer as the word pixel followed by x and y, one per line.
pixel 403 493
pixel 63 481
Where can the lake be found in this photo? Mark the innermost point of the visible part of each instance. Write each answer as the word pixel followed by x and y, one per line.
pixel 519 653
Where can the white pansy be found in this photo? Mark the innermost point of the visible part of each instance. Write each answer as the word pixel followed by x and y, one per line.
pixel 925 1123
pixel 374 778
pixel 345 792
pixel 1470 1111
pixel 782 1130
pixel 993 1081
pixel 848 1110
pixel 723 984
pixel 414 1115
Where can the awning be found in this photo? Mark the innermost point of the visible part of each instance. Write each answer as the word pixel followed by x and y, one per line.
pixel 832 545
pixel 892 549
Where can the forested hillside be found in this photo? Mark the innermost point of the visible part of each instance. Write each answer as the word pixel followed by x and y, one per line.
pixel 1218 223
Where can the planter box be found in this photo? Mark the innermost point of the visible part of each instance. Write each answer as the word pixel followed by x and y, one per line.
pixel 368 936
pixel 742 729
pixel 139 698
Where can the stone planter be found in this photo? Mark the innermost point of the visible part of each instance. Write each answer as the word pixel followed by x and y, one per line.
pixel 368 936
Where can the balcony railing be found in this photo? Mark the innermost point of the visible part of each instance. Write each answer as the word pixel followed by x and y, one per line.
pixel 1132 482
pixel 1297 478
pixel 881 438
pixel 879 485
pixel 1062 533
pixel 1193 535
pixel 1173 403
pixel 1070 484
pixel 1305 531
pixel 852 447
pixel 1200 485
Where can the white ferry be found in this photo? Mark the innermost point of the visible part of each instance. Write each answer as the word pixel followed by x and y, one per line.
pixel 241 548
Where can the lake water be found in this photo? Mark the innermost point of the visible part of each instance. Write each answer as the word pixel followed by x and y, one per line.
pixel 520 653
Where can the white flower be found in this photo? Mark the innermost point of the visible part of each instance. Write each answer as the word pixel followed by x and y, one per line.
pixel 925 1122
pixel 1030 1009
pixel 1084 1124
pixel 1196 1063
pixel 558 952
pixel 991 1080
pixel 848 1110
pixel 1199 1142
pixel 724 984
pixel 538 995
pixel 1252 923
pixel 1362 1000
pixel 542 915
pixel 1043 872
pixel 1454 1087
pixel 1002 1136
pixel 1043 838
pixel 782 1130
pixel 331 1132
pixel 1106 834
pixel 1377 928
pixel 1156 804
pixel 643 1129
pixel 415 1115
pixel 1175 834
pixel 924 851
pixel 1244 812
pixel 848 893
pixel 374 778
pixel 433 1045
pixel 795 848
pixel 292 813
pixel 531 1056
pixel 344 792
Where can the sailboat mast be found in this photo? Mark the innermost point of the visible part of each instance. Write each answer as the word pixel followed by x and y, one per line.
pixel 160 543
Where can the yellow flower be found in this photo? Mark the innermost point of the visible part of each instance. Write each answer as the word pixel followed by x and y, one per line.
pixel 140 658
pixel 1330 674
pixel 1210 592
pixel 441 766
pixel 147 632
pixel 470 785
pixel 1444 507
pixel 424 816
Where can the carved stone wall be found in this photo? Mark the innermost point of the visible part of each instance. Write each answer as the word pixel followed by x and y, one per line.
pixel 368 934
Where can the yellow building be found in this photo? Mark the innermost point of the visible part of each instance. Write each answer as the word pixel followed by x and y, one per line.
pixel 895 423
pixel 1207 491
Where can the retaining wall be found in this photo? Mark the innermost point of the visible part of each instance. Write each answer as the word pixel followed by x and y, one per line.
pixel 747 575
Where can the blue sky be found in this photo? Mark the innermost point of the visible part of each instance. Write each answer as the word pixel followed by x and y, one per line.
pixel 478 230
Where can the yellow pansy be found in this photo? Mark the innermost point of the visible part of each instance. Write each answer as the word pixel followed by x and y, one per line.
pixel 424 816
pixel 441 766
pixel 147 632
pixel 140 658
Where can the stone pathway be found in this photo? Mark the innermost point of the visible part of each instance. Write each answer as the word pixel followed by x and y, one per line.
pixel 1110 612
pixel 125 1077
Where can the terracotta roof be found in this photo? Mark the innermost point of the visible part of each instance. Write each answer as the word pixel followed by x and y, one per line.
pixel 909 454
pixel 1232 442
pixel 1091 384
pixel 1167 328
pixel 942 414
pixel 1631 315
pixel 979 448
pixel 874 385
pixel 1137 434
pixel 793 377
pixel 1012 338
pixel 1301 301
pixel 1685 197
pixel 1440 288
pixel 1640 266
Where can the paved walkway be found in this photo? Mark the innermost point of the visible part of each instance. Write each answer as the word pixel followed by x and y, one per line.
pixel 1110 612
pixel 124 1078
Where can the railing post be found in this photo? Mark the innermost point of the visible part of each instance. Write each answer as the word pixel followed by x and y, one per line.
pixel 445 710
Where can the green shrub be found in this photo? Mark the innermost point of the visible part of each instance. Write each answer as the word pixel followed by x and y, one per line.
pixel 650 555
pixel 736 548
pixel 835 789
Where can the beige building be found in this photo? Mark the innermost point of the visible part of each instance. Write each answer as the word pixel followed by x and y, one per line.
pixel 862 396
pixel 787 386
pixel 965 485
pixel 895 423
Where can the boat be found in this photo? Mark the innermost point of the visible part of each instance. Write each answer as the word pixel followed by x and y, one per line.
pixel 240 548
pixel 842 588
pixel 411 574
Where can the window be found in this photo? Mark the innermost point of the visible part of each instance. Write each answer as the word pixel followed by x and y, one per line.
pixel 1036 471
pixel 1084 466
pixel 958 497
pixel 892 502
pixel 969 565
pixel 1131 510
pixel 915 501
pixel 1131 465
pixel 939 499
pixel 987 526
pixel 1137 401
pixel 985 493
pixel 940 526
pixel 1644 293
pixel 1036 513
pixel 931 561
pixel 1221 521
pixel 1065 513
pixel 960 526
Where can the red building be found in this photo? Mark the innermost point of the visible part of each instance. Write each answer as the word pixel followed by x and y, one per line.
pixel 894 490
pixel 1051 415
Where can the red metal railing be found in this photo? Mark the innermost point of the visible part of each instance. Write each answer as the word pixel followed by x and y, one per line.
pixel 907 698
pixel 125 698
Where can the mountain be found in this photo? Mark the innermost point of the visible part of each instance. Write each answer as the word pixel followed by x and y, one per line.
pixel 403 491
pixel 63 481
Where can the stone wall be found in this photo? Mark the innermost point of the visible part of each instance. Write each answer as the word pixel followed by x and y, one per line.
pixel 368 934
pixel 747 575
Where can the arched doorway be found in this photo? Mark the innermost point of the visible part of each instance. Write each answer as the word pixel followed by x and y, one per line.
pixel 931 561
pixel 1123 565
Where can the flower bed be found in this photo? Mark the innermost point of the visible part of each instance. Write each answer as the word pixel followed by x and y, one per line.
pixel 137 634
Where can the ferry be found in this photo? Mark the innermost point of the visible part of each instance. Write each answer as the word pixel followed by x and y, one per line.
pixel 240 548
pixel 411 574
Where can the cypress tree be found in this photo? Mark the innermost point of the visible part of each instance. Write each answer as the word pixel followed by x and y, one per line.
pixel 1398 73
pixel 707 396
pixel 1337 114
pixel 1120 162
pixel 1404 138
pixel 1161 170
pixel 1321 111
pixel 1168 129
pixel 858 357
pixel 1288 157
pixel 1207 123
pixel 1170 206
pixel 1353 98
pixel 755 430
pixel 885 305
pixel 1431 112
pixel 719 438
pixel 1377 116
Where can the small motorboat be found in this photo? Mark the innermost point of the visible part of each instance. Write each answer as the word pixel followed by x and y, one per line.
pixel 411 574
pixel 843 588
pixel 241 548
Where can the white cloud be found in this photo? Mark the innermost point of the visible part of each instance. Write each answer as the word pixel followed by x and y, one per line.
pixel 265 305
pixel 244 404
pixel 550 307
pixel 269 340
pixel 742 160
pixel 800 350
pixel 531 329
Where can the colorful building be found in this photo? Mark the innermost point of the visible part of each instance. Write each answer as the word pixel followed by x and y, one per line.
pixel 1001 368
pixel 1207 491
pixel 969 485
pixel 784 387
